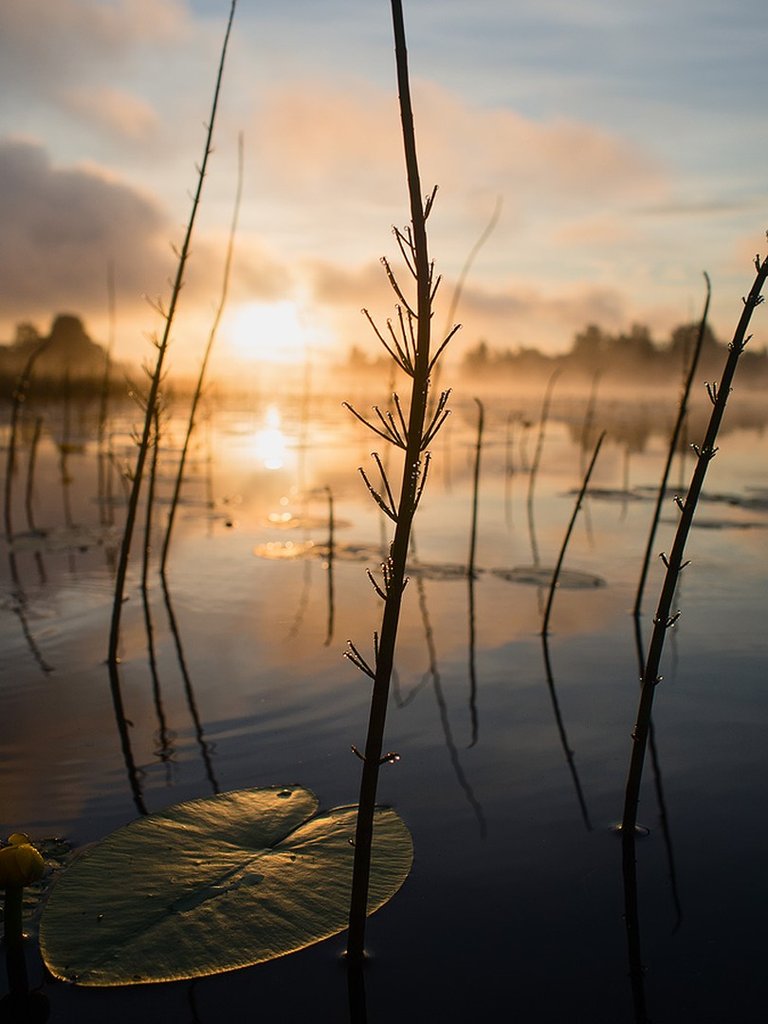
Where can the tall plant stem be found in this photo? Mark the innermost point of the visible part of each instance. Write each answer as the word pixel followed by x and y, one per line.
pixel 485 234
pixel 30 489
pixel 19 397
pixel 102 468
pixel 471 574
pixel 568 532
pixel 162 348
pixel 331 550
pixel 674 562
pixel 534 468
pixel 405 513
pixel 673 446
pixel 476 487
pixel 206 357
pixel 664 618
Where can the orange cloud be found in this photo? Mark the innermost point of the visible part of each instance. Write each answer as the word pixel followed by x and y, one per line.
pixel 322 136
pixel 118 112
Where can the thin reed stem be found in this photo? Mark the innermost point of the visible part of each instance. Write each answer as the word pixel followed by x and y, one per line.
pixel 331 552
pixel 31 464
pixel 673 447
pixel 19 397
pixel 162 348
pixel 570 755
pixel 471 575
pixel 664 618
pixel 568 532
pixel 485 234
pixel 206 357
pixel 534 467
pixel 476 487
pixel 102 458
pixel 674 563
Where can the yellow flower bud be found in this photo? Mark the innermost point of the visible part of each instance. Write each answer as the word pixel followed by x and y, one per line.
pixel 20 863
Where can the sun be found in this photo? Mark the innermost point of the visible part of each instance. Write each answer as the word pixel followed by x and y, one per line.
pixel 267 332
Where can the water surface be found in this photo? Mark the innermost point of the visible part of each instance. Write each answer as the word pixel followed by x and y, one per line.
pixel 512 762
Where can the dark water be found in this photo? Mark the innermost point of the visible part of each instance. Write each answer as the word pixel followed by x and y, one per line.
pixel 512 766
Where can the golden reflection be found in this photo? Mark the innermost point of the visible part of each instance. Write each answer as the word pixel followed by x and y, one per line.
pixel 270 443
pixel 279 550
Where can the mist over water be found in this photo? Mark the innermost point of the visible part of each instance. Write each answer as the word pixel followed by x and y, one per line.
pixel 513 757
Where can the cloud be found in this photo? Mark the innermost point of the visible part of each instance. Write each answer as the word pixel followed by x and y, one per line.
pixel 42 35
pixel 61 227
pixel 522 313
pixel 601 232
pixel 345 139
pixel 361 286
pixel 117 112
pixel 557 159
pixel 47 44
pixel 318 136
pixel 713 206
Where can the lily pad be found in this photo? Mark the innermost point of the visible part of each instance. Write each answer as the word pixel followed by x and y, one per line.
pixel 541 576
pixel 212 885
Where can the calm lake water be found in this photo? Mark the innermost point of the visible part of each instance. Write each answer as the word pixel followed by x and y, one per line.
pixel 512 765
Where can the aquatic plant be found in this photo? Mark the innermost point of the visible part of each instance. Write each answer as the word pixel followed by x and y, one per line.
pixel 20 865
pixel 31 463
pixel 665 618
pixel 408 341
pixel 536 461
pixel 567 537
pixel 211 885
pixel 103 466
pixel 472 573
pixel 198 393
pixel 19 397
pixel 674 440
pixel 156 374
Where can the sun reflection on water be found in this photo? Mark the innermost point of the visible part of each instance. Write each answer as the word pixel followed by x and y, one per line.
pixel 270 443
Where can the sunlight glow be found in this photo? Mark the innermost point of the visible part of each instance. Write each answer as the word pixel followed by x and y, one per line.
pixel 269 332
pixel 270 443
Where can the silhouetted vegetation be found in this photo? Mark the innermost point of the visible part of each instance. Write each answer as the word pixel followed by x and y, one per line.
pixel 632 356
pixel 70 360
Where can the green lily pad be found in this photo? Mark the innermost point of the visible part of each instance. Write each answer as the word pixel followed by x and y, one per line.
pixel 212 885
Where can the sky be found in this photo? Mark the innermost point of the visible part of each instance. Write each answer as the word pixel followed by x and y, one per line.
pixel 625 143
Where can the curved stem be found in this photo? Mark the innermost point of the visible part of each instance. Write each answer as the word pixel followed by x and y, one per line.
pixel 673 445
pixel 206 358
pixel 664 618
pixel 162 348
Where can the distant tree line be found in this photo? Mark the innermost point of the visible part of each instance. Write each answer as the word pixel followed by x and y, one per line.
pixel 68 359
pixel 631 356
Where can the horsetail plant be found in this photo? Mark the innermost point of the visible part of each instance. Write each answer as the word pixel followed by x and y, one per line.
pixel 407 340
pixel 192 422
pixel 665 618
pixel 564 546
pixel 156 375
pixel 19 397
pixel 103 468
pixel 674 442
